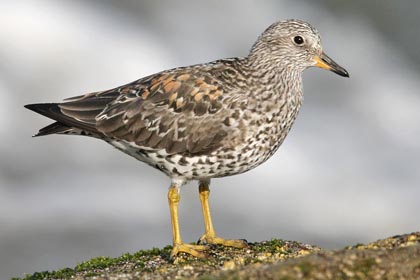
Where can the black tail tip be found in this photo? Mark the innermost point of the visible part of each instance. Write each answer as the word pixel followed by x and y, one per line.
pixel 30 106
pixel 40 107
pixel 46 109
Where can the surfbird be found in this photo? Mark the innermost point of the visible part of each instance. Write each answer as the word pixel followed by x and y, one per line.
pixel 202 121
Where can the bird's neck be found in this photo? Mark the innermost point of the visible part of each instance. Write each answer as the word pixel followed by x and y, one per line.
pixel 275 76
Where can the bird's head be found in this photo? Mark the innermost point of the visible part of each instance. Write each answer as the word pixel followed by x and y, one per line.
pixel 293 44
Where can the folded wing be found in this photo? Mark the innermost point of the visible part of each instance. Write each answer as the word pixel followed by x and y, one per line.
pixel 179 111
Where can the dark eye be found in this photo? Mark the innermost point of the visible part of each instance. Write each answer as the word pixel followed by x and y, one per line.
pixel 298 40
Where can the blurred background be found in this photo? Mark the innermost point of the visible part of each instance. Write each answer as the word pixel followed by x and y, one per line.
pixel 348 172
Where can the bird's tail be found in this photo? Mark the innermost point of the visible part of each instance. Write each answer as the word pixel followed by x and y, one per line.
pixel 64 124
pixel 52 111
pixel 54 128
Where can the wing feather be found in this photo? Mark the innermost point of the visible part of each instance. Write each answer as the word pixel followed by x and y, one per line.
pixel 183 110
pixel 179 112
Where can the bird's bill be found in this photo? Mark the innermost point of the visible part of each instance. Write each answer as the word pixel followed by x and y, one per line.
pixel 323 61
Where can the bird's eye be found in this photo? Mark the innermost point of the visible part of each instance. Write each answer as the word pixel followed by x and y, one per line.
pixel 298 40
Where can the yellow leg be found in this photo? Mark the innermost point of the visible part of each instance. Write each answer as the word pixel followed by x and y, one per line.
pixel 178 245
pixel 209 236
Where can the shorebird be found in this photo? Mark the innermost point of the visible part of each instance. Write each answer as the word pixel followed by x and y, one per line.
pixel 202 121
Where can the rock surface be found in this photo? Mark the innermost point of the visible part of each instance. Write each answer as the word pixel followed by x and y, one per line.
pixel 396 257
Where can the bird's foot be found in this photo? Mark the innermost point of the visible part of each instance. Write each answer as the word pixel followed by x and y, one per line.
pixel 194 250
pixel 214 240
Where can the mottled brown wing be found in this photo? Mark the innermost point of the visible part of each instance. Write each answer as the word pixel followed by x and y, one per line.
pixel 80 111
pixel 176 111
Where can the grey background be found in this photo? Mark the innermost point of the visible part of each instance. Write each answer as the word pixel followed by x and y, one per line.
pixel 348 171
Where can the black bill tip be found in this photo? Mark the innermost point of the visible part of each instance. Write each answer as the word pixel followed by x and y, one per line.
pixel 325 62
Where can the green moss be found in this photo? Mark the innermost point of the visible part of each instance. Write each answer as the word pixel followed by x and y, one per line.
pixel 55 274
pixel 165 252
pixel 91 274
pixel 64 273
pixel 99 263
pixel 362 261
pixel 272 246
pixel 96 263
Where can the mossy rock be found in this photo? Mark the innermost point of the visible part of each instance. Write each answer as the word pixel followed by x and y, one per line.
pixel 397 257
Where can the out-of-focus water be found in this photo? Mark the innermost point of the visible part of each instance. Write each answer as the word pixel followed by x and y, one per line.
pixel 348 171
